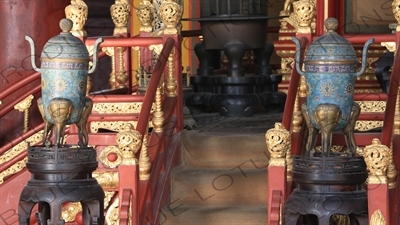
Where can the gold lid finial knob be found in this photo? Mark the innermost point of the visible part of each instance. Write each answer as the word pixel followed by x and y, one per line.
pixel 331 24
pixel 66 25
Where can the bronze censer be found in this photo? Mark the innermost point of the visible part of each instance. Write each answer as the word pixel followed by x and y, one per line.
pixel 330 71
pixel 63 173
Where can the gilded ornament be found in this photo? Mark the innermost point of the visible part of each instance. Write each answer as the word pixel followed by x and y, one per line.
pixel 145 13
pixel 70 210
pixel 304 12
pixel 119 107
pixel 16 168
pixel 392 175
pixel 103 157
pixel 278 144
pixel 120 16
pixel 121 77
pixel 339 219
pixel 377 158
pixel 158 115
pixel 129 142
pixel 372 106
pixel 377 218
pixel 77 11
pixel 396 127
pixel 24 106
pixel 366 125
pixel 171 84
pixel 170 13
pixel 108 195
pixel 396 12
pixel 390 46
pixel 108 180
pixel 112 215
pixel 144 161
pixel 156 48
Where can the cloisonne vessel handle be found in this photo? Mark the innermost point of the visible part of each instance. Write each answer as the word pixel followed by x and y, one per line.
pixel 297 56
pixel 95 54
pixel 32 44
pixel 364 57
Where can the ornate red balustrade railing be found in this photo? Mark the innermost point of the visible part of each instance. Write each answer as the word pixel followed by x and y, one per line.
pixel 137 198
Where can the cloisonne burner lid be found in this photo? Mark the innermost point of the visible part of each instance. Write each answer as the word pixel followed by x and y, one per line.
pixel 331 47
pixel 65 45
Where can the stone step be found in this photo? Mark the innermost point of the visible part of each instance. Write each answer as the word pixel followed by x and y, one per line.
pixel 207 187
pixel 212 215
pixel 205 150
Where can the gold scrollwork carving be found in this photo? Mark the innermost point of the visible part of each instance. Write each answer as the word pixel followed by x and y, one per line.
pixel 372 106
pixel 17 167
pixel 20 147
pixel 108 180
pixel 116 159
pixel 366 125
pixel 119 107
pixel 112 215
pixel 70 211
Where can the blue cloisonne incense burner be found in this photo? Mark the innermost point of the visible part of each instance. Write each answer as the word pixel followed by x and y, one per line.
pixel 64 73
pixel 330 71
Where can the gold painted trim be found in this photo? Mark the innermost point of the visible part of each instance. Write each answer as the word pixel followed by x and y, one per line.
pixel 339 62
pixel 58 59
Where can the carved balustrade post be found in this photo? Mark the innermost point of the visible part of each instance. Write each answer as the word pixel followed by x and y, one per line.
pixel 377 158
pixel 146 13
pixel 278 142
pixel 78 12
pixel 120 17
pixel 304 12
pixel 129 143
